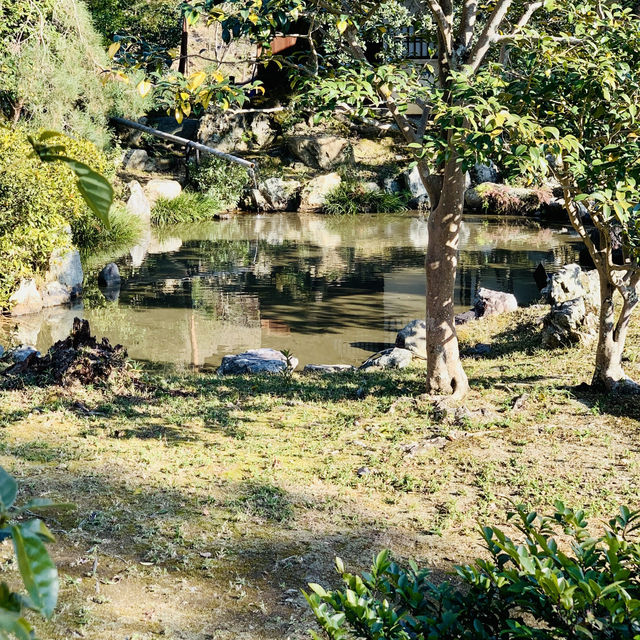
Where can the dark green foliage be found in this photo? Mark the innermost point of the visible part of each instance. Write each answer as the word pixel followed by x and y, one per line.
pixel 157 21
pixel 219 179
pixel 350 198
pixel 187 207
pixel 538 589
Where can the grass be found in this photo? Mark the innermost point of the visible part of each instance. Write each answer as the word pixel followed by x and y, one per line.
pixel 207 503
pixel 187 207
pixel 350 198
pixel 125 231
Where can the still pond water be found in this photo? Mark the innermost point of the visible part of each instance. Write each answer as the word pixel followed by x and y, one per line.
pixel 331 290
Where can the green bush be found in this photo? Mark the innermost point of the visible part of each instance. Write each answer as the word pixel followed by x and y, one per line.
pixel 40 204
pixel 187 207
pixel 581 588
pixel 350 198
pixel 54 71
pixel 219 179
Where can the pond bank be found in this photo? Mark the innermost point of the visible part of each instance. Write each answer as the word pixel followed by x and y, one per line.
pixel 206 503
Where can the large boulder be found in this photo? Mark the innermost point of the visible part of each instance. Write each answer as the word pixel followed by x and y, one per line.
pixel 238 133
pixel 65 268
pixel 26 299
pixel 394 358
pixel 569 323
pixel 572 282
pixel 413 337
pixel 322 152
pixel 276 194
pixel 489 303
pixel 256 361
pixel 314 193
pixel 481 173
pixel 138 205
pixel 109 276
pixel 161 188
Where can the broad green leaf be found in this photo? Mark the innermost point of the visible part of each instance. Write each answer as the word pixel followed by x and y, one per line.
pixel 40 529
pixel 8 489
pixel 38 572
pixel 13 623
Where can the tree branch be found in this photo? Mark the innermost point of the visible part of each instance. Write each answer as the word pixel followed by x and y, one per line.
pixel 467 23
pixel 489 34
pixel 521 24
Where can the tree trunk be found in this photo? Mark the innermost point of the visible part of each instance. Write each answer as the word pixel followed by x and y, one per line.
pixel 445 374
pixel 609 373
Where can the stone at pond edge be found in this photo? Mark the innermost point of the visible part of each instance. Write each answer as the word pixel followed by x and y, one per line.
pixel 540 276
pixel 322 152
pixel 137 160
pixel 327 368
pixel 394 358
pixel 315 192
pixel 255 361
pixel 161 188
pixel 137 204
pixel 26 299
pixel 275 194
pixel 109 276
pixel 488 302
pixel 65 267
pixel 413 337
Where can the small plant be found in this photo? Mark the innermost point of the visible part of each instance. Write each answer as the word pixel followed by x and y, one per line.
pixel 187 207
pixel 222 181
pixel 350 198
pixel 529 590
pixel 509 201
pixel 39 574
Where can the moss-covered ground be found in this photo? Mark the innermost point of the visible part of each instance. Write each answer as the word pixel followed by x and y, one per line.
pixel 204 504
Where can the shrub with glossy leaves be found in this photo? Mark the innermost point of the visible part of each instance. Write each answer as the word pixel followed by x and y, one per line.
pixel 544 587
pixel 219 179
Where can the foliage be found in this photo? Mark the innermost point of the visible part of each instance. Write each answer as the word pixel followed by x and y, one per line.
pixel 187 207
pixel 219 179
pixel 54 71
pixel 528 590
pixel 37 570
pixel 350 198
pixel 158 21
pixel 124 231
pixel 42 208
pixel 510 201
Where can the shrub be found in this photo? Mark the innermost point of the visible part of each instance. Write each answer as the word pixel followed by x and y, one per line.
pixel 187 207
pixel 530 590
pixel 53 71
pixel 40 205
pixel 350 198
pixel 219 179
pixel 505 200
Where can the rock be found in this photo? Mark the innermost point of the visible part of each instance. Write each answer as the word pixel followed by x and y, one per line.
pixel 370 187
pixel 413 337
pixel 236 133
pixel 322 152
pixel 188 128
pixel 374 153
pixel 160 188
pixel 415 186
pixel 327 368
pixel 137 204
pixel 485 173
pixel 463 318
pixel 489 303
pixel 261 130
pixel 26 299
pixel 314 193
pixel 363 471
pixel 23 352
pixel 570 283
pixel 394 358
pixel 138 160
pixel 392 185
pixel 255 361
pixel 109 276
pixel 65 267
pixel 479 350
pixel 569 323
pixel 55 294
pixel 473 200
pixel 276 194
pixel 540 276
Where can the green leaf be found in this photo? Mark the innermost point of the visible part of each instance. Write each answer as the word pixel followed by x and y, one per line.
pixel 38 572
pixel 40 529
pixel 8 490
pixel 14 623
pixel 44 505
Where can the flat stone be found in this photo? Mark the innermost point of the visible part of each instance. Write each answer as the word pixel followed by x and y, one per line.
pixel 26 299
pixel 394 358
pixel 413 337
pixel 255 361
pixel 314 193
pixel 55 294
pixel 327 368
pixel 490 303
pixel 463 318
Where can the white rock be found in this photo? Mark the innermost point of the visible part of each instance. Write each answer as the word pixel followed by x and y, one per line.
pixel 160 188
pixel 314 193
pixel 389 359
pixel 137 204
pixel 26 299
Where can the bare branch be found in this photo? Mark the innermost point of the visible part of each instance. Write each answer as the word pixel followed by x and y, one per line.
pixel 443 27
pixel 521 24
pixel 468 22
pixel 489 34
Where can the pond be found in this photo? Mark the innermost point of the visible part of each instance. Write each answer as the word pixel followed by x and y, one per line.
pixel 330 290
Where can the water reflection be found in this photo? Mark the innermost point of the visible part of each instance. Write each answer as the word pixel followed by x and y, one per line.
pixel 327 289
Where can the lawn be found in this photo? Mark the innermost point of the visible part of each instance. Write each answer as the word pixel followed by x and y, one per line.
pixel 205 504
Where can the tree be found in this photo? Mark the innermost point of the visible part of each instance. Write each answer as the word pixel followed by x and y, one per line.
pixel 583 89
pixel 462 121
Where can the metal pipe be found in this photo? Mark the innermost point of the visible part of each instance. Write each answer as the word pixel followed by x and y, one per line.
pixel 183 141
